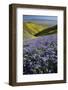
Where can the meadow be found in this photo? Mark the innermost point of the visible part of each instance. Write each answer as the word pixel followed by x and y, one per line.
pixel 39 47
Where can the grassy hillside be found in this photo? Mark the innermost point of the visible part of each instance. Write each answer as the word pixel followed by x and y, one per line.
pixel 27 35
pixel 34 28
pixel 48 31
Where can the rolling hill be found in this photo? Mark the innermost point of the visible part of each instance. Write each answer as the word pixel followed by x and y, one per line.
pixel 48 31
pixel 32 30
pixel 27 35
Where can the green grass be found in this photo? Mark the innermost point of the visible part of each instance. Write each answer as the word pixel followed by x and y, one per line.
pixel 33 30
pixel 27 35
pixel 47 31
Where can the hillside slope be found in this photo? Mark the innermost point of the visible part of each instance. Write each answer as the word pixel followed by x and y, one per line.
pixel 27 35
pixel 48 31
pixel 34 28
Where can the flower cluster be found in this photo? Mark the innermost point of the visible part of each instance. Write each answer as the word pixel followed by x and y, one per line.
pixel 40 56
